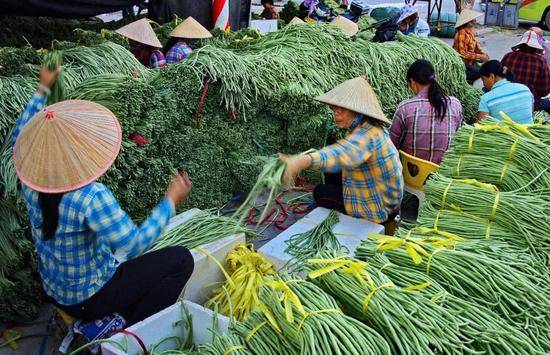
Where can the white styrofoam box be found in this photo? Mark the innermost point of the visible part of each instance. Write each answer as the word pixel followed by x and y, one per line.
pixel 264 26
pixel 168 323
pixel 349 231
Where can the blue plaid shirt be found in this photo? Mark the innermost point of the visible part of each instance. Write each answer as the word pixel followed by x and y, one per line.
pixel 178 52
pixel 93 233
pixel 157 60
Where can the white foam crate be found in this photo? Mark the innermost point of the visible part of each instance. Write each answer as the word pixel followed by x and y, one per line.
pixel 349 231
pixel 168 323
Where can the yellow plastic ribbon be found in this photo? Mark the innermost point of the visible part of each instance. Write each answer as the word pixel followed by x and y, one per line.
pixel 389 243
pixel 488 230
pixel 354 268
pixel 518 126
pixel 371 294
pixel 445 192
pixel 471 141
pixel 495 206
pixel 270 318
pixel 440 296
pixel 328 310
pixel 254 331
pixel 430 258
pixel 457 171
pixel 234 348
pixel 476 183
pixel 201 250
pixel 418 287
pixel 288 298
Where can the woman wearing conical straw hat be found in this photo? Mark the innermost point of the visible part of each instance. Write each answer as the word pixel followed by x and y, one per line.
pixel 178 46
pixel 91 256
pixel 363 175
pixel 144 43
pixel 466 44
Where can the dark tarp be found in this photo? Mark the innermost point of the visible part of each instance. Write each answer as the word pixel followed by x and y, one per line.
pixel 63 8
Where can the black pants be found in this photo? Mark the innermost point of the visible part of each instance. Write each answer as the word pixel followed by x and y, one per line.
pixel 472 73
pixel 330 194
pixel 140 287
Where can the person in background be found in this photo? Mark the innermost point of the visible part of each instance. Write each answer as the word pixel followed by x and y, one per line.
pixel 530 68
pixel 424 125
pixel 178 46
pixel 144 43
pixel 363 174
pixel 543 42
pixel 410 23
pixel 515 100
pixel 466 44
pixel 270 11
pixel 92 258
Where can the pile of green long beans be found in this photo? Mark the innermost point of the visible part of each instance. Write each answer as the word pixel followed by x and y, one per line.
pixel 321 238
pixel 411 323
pixel 515 296
pixel 225 344
pixel 490 332
pixel 100 89
pixel 523 213
pixel 319 327
pixel 202 228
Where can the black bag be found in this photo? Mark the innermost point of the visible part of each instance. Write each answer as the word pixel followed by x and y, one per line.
pixel 386 31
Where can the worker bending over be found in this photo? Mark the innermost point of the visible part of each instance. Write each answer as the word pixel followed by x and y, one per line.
pixel 144 43
pixel 466 44
pixel 92 258
pixel 178 46
pixel 363 173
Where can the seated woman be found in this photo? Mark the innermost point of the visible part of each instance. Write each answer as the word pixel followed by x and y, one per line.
pixel 144 43
pixel 466 44
pixel 92 258
pixel 178 47
pixel 515 100
pixel 365 178
pixel 270 11
pixel 424 125
pixel 410 23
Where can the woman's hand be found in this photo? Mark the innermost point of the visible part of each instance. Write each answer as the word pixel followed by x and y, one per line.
pixel 294 165
pixel 47 77
pixel 179 188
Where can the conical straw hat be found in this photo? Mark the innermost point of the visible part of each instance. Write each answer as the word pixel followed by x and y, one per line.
pixel 349 27
pixel 466 16
pixel 140 31
pixel 295 21
pixel 530 38
pixel 190 28
pixel 66 146
pixel 356 95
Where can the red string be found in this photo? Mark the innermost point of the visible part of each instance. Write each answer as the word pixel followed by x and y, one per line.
pixel 202 99
pixel 138 339
pixel 234 115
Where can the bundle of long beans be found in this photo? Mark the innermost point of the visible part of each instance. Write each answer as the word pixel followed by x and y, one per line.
pixel 523 213
pixel 224 344
pixel 100 89
pixel 310 318
pixel 53 60
pixel 247 270
pixel 412 323
pixel 482 280
pixel 321 238
pixel 201 228
pixel 490 332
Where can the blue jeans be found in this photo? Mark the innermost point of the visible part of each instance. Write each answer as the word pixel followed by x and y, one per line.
pixel 543 105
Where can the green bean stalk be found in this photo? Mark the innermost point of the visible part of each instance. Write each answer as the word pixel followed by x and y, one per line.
pixel 201 228
pixel 317 326
pixel 412 323
pixel 306 245
pixel 491 334
pixel 53 60
pixel 483 280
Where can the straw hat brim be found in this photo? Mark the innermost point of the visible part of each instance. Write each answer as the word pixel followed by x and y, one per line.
pixel 140 31
pixel 466 16
pixel 356 95
pixel 530 39
pixel 191 29
pixel 295 21
pixel 69 149
pixel 349 27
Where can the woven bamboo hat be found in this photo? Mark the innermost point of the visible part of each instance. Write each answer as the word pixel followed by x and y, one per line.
pixel 349 27
pixel 140 31
pixel 356 95
pixel 466 16
pixel 190 28
pixel 67 145
pixel 295 21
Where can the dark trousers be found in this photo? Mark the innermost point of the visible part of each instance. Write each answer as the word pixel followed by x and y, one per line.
pixel 543 105
pixel 330 194
pixel 472 73
pixel 140 287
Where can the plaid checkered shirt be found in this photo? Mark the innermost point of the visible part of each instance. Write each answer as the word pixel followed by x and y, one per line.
pixel 93 233
pixel 466 44
pixel 178 52
pixel 372 177
pixel 416 130
pixel 157 60
pixel 530 70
